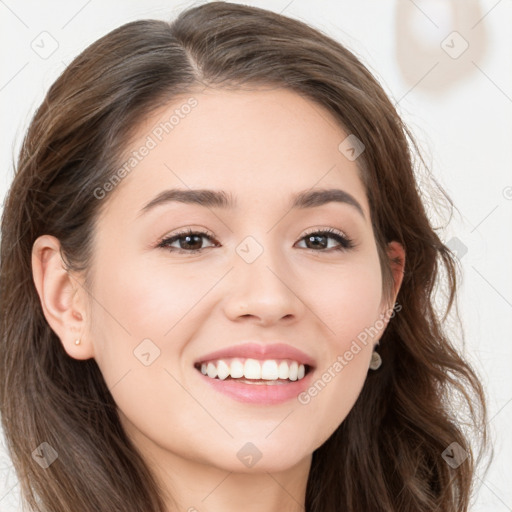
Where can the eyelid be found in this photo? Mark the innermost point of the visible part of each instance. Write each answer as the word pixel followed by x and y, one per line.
pixel 324 230
pixel 185 231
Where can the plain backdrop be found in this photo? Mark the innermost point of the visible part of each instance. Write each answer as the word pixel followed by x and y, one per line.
pixel 445 64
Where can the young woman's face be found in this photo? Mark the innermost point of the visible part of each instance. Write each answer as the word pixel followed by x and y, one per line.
pixel 258 275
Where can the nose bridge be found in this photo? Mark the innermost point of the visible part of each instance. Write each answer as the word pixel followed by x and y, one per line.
pixel 259 261
pixel 261 280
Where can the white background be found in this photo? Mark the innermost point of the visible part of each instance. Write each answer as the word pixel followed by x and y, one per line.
pixel 458 108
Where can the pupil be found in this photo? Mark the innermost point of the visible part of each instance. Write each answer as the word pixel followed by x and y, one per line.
pixel 314 238
pixel 187 238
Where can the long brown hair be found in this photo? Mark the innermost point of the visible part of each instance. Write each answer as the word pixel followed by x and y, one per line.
pixel 387 455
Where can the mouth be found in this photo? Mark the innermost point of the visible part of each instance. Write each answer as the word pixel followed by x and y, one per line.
pixel 254 371
pixel 257 373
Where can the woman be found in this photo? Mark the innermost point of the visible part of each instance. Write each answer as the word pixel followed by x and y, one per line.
pixel 217 284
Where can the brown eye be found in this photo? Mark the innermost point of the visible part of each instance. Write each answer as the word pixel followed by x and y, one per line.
pixel 318 240
pixel 189 241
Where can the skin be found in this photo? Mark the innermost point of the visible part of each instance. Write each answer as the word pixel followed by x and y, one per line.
pixel 262 146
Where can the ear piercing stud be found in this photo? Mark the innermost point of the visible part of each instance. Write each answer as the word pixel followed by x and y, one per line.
pixel 376 361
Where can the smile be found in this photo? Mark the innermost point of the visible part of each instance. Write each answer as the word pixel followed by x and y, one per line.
pixel 263 382
pixel 250 370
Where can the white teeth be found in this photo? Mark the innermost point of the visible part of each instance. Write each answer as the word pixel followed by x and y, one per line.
pixel 254 369
pixel 294 368
pixel 269 370
pixel 283 370
pixel 211 370
pixel 237 369
pixel 222 370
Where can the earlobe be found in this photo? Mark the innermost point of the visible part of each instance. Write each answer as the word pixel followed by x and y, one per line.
pixel 60 297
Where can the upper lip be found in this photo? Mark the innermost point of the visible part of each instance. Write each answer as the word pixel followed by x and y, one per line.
pixel 260 351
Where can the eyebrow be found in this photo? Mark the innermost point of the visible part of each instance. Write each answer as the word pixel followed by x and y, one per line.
pixel 221 199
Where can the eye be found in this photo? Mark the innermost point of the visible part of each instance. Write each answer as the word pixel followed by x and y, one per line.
pixel 190 241
pixel 319 239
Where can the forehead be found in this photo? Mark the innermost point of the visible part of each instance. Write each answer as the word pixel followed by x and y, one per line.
pixel 259 144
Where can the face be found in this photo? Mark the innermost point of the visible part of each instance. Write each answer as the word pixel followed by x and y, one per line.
pixel 259 271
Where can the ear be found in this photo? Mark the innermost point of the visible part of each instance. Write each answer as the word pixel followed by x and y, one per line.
pixel 62 297
pixel 396 255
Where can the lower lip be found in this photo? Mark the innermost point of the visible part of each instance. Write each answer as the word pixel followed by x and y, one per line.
pixel 266 394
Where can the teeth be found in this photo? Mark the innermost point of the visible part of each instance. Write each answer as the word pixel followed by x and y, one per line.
pixel 211 370
pixel 222 370
pixel 254 369
pixel 269 370
pixel 283 370
pixel 236 369
pixel 294 368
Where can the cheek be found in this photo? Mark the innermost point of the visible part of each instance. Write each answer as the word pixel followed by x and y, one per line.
pixel 149 298
pixel 349 310
pixel 349 303
pixel 139 300
pixel 134 304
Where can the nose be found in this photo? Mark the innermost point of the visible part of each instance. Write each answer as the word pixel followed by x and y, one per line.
pixel 263 290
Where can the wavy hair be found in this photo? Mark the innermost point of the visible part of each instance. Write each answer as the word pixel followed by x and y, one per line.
pixel 387 455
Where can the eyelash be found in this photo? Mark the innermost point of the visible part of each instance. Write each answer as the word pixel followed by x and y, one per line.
pixel 345 242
